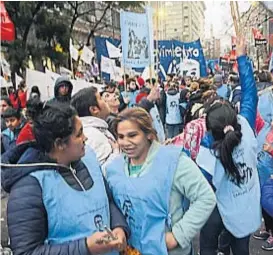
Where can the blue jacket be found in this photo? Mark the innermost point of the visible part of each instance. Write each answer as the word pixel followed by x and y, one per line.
pixel 26 213
pixel 267 197
pixel 8 137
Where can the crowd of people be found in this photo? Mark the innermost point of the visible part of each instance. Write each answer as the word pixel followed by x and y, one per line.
pixel 140 167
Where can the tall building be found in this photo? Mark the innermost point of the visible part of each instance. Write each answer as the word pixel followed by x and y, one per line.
pixel 258 16
pixel 109 25
pixel 184 21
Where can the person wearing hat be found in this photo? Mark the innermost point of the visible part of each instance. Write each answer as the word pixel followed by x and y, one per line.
pixel 222 89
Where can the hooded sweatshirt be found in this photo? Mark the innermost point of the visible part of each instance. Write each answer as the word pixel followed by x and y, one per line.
pixel 58 83
pixel 99 137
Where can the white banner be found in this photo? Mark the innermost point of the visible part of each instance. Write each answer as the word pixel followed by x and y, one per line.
pixel 18 79
pixel 42 81
pixel 107 65
pixel 87 55
pixel 65 72
pixel 52 77
pixel 113 51
pixel 46 83
pixel 116 75
pixel 73 51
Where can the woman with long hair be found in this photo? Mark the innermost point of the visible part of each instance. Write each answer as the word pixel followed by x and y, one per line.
pixel 161 192
pixel 229 157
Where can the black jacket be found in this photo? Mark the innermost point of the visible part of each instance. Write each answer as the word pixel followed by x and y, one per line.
pixel 58 83
pixel 27 216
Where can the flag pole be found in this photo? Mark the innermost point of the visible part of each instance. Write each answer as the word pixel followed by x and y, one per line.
pixel 157 38
pixel 150 53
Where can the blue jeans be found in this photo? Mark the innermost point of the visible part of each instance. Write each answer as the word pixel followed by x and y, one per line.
pixel 215 238
pixel 173 130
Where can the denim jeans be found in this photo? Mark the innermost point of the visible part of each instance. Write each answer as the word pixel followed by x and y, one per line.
pixel 215 238
pixel 173 130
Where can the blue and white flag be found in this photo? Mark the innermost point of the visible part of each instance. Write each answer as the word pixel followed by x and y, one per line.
pixel 136 38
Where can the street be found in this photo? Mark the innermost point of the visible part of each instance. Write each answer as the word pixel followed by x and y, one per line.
pixel 254 247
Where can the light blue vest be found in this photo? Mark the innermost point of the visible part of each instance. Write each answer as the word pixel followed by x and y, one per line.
pixel 239 207
pixel 144 201
pixel 265 106
pixel 173 115
pixel 132 96
pixel 74 214
pixel 265 160
pixel 157 124
pixel 223 91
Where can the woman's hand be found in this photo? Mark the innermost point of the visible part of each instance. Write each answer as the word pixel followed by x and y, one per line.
pixel 170 241
pixel 119 233
pixel 97 245
pixel 240 46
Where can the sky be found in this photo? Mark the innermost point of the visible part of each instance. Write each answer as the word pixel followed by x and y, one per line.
pixel 218 14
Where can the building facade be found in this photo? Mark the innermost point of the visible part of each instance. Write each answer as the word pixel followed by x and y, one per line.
pixel 258 16
pixel 184 21
pixel 108 27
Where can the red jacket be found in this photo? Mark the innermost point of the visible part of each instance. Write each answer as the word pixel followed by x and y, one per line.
pixel 22 95
pixel 14 101
pixel 25 135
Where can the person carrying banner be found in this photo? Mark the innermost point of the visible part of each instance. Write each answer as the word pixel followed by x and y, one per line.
pixel 162 194
pixel 59 202
pixel 228 154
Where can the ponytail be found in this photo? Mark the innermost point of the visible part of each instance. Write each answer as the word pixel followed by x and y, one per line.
pixel 221 120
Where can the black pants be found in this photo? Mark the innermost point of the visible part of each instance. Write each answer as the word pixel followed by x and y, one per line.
pixel 268 221
pixel 214 238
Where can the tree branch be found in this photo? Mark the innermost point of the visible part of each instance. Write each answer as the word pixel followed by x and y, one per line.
pixel 92 31
pixel 37 9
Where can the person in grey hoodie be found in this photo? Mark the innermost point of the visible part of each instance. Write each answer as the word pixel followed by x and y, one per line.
pixel 62 90
pixel 93 112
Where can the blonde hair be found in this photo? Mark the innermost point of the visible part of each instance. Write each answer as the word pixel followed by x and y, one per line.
pixel 140 117
pixel 194 86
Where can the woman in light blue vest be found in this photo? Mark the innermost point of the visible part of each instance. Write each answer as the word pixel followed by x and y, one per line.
pixel 230 157
pixel 150 184
pixel 59 202
pixel 265 105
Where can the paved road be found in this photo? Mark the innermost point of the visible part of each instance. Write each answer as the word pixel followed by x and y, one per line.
pixel 254 244
pixel 254 247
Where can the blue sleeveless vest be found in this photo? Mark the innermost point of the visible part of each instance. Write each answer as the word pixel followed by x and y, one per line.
pixel 74 214
pixel 265 160
pixel 132 96
pixel 144 201
pixel 173 115
pixel 239 206
pixel 223 91
pixel 157 124
pixel 265 106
